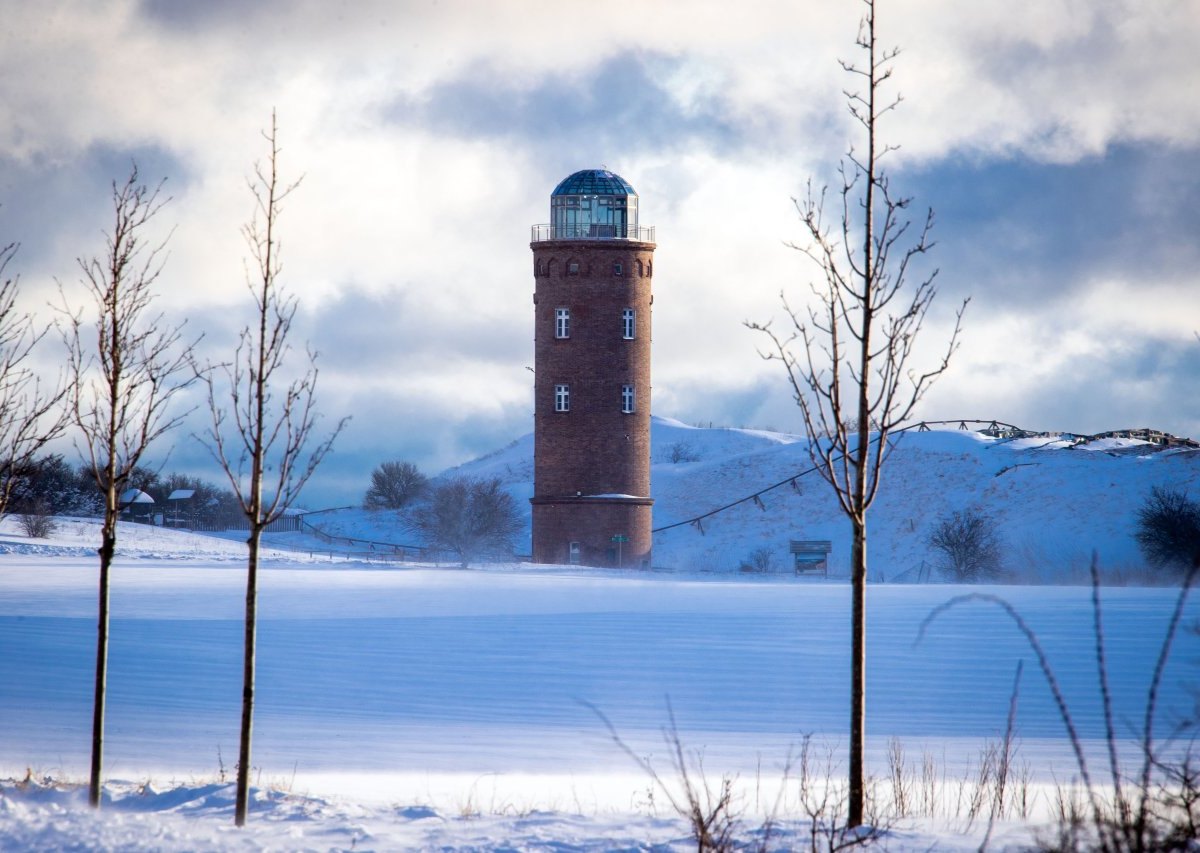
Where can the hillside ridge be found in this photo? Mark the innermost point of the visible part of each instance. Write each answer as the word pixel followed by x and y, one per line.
pixel 1055 497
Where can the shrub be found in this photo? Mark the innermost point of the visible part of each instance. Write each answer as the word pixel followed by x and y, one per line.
pixel 1168 529
pixel 681 451
pixel 393 485
pixel 38 521
pixel 968 546
pixel 468 517
pixel 759 560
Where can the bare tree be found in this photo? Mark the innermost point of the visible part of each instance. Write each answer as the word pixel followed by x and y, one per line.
pixel 263 440
pixel 849 359
pixel 968 545
pixel 30 415
pixel 123 373
pixel 468 517
pixel 393 485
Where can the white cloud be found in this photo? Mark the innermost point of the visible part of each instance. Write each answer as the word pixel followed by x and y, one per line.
pixel 420 215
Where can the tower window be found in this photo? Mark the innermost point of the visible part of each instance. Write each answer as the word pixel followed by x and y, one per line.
pixel 627 317
pixel 627 399
pixel 618 269
pixel 573 268
pixel 562 398
pixel 562 322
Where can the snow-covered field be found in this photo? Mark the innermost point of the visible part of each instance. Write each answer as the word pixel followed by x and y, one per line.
pixel 403 706
pixel 410 708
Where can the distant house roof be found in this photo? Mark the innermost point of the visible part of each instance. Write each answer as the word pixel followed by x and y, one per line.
pixel 135 496
pixel 181 495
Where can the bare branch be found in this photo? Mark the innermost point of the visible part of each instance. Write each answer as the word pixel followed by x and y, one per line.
pixel 30 413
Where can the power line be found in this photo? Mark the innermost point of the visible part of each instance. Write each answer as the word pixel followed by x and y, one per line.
pixel 994 428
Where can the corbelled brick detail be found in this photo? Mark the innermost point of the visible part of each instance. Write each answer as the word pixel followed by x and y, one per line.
pixel 594 449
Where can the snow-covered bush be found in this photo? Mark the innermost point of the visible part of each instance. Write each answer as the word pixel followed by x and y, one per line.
pixel 53 486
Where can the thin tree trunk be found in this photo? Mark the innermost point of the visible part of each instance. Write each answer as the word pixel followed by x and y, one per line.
pixel 243 776
pixel 858 501
pixel 860 285
pixel 107 549
pixel 858 672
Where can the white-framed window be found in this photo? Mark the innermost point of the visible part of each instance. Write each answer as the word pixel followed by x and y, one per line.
pixel 627 318
pixel 562 398
pixel 627 400
pixel 573 552
pixel 562 322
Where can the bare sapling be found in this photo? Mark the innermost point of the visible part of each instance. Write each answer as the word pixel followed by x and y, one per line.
pixel 125 365
pixel 849 358
pixel 264 423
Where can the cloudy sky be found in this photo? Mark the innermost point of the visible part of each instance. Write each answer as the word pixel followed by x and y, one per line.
pixel 1056 141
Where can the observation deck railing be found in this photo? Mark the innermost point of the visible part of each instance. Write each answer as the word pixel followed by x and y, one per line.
pixel 593 231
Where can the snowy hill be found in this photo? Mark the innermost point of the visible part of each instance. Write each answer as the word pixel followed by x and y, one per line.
pixel 1054 502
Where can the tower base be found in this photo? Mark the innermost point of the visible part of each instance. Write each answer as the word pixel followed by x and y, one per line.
pixel 592 531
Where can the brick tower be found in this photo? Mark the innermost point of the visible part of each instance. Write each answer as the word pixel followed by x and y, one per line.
pixel 592 268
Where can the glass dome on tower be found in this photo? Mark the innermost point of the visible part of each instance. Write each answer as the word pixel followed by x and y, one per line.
pixel 593 204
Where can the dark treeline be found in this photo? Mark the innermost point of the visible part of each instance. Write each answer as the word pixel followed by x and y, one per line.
pixel 52 486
